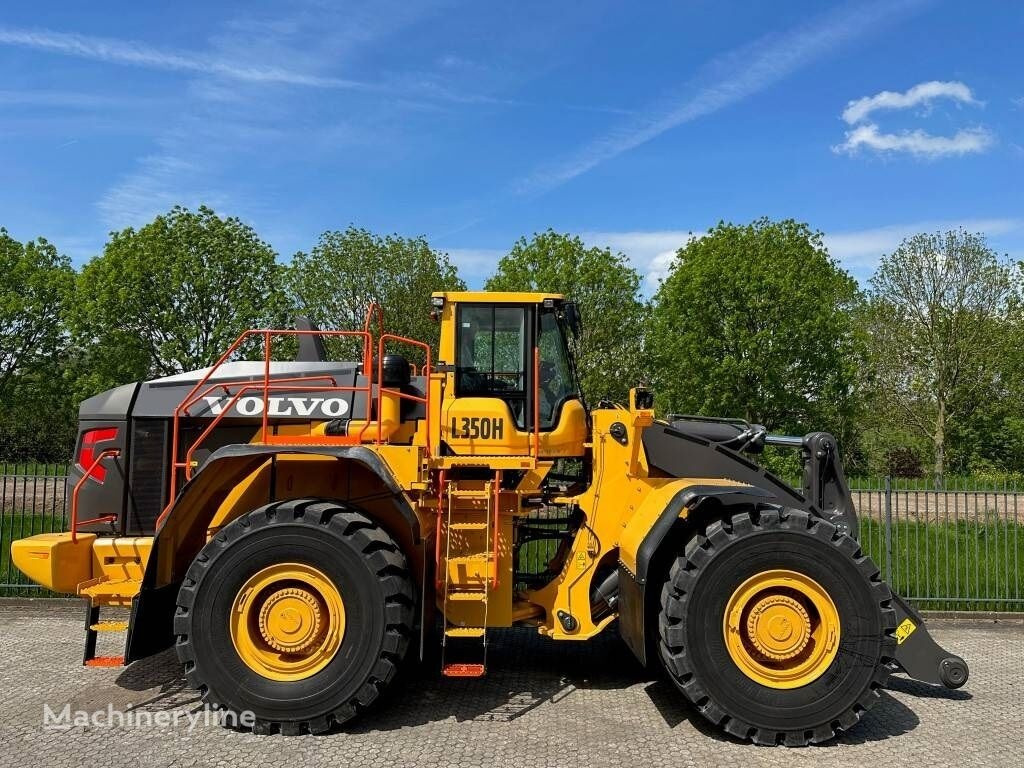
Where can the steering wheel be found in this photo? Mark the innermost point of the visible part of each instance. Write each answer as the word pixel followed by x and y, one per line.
pixel 494 384
pixel 548 377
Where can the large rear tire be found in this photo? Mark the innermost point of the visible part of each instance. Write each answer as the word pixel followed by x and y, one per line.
pixel 776 627
pixel 299 612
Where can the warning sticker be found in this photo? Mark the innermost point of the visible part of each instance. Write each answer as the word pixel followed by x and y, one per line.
pixel 904 630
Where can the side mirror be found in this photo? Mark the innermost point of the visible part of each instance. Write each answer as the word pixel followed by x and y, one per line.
pixel 572 318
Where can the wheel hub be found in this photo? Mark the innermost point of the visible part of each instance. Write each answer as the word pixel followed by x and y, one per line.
pixel 778 627
pixel 290 620
pixel 781 629
pixel 287 621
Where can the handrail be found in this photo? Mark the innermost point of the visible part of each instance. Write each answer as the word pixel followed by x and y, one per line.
pixel 190 398
pixel 425 400
pixel 441 488
pixel 373 308
pixel 536 403
pixel 497 525
pixel 268 384
pixel 104 454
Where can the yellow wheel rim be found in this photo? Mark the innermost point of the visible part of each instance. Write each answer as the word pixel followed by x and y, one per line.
pixel 781 629
pixel 287 621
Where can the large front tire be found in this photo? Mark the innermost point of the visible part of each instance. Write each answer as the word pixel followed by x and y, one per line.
pixel 776 627
pixel 299 612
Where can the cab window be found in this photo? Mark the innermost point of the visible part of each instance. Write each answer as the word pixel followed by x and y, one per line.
pixel 557 383
pixel 491 355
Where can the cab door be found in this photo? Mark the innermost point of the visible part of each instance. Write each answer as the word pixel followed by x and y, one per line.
pixel 496 397
pixel 490 411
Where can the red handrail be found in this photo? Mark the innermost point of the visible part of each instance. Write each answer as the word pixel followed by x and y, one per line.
pixel 425 400
pixel 373 308
pixel 497 526
pixel 441 488
pixel 268 384
pixel 109 452
pixel 191 398
pixel 536 403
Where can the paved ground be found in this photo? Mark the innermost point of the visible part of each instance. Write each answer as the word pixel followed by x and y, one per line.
pixel 542 704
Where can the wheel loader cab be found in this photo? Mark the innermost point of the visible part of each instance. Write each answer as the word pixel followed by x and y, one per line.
pixel 511 386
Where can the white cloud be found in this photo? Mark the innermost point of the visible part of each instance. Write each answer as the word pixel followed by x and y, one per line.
pixel 139 54
pixel 158 183
pixel 923 93
pixel 859 250
pixel 651 253
pixel 475 264
pixel 867 134
pixel 725 81
pixel 60 99
pixel 964 142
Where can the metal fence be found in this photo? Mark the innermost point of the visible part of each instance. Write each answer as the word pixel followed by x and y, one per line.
pixel 960 548
pixel 32 500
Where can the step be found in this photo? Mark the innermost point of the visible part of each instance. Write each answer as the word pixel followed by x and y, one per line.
pixel 489 462
pixel 109 626
pixel 463 670
pixel 104 591
pixel 478 557
pixel 471 493
pixel 467 526
pixel 467 596
pixel 465 631
pixel 105 661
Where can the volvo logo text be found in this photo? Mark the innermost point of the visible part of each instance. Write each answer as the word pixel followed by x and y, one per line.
pixel 329 407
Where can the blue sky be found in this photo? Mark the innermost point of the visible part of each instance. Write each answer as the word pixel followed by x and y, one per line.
pixel 632 124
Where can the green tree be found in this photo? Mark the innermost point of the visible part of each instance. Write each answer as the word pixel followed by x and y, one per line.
pixel 35 284
pixel 938 333
pixel 36 415
pixel 610 350
pixel 172 296
pixel 345 271
pixel 754 321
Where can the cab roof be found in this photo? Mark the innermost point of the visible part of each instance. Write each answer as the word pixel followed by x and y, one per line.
pixel 496 297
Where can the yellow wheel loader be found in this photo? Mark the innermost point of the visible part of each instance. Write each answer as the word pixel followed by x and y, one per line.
pixel 296 528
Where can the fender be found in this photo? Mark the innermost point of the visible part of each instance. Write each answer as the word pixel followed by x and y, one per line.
pixel 183 532
pixel 647 529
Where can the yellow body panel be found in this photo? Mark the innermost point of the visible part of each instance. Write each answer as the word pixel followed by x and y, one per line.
pixel 484 426
pixel 495 297
pixel 55 561
pixel 620 506
pixel 121 559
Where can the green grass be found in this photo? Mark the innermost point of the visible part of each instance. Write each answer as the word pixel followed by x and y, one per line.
pixel 33 468
pixel 960 566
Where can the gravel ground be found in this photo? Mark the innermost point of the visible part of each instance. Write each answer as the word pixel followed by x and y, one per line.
pixel 541 704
